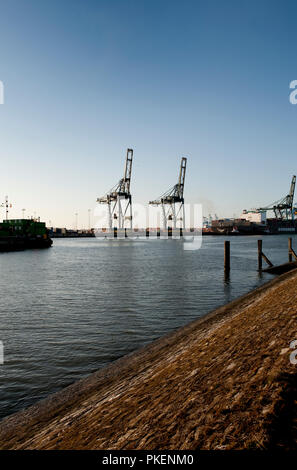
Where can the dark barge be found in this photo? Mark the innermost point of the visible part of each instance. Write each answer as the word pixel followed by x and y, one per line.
pixel 22 234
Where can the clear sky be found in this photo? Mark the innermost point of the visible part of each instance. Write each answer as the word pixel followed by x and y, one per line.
pixel 85 79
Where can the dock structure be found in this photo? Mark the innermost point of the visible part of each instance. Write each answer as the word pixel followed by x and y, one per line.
pixel 224 381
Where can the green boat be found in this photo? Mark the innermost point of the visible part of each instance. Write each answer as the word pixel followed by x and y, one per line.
pixel 21 234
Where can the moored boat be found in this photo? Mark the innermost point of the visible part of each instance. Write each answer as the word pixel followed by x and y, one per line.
pixel 21 234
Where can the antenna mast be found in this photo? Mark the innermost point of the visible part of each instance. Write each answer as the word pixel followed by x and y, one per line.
pixel 6 207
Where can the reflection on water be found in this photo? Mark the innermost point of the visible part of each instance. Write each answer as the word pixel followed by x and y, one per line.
pixel 69 310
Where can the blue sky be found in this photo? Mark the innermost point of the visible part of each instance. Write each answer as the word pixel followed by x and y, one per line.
pixel 86 79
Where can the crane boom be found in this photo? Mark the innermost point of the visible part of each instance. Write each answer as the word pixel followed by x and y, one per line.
pixel 176 193
pixel 128 170
pixel 292 189
pixel 182 175
pixel 172 202
pixel 283 209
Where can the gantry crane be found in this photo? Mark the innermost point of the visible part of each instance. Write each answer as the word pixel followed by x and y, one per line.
pixel 119 199
pixel 172 202
pixel 283 209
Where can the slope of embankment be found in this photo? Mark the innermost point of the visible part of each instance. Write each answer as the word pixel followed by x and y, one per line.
pixel 222 382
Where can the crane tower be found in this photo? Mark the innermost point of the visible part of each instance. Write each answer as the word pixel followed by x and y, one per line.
pixel 172 202
pixel 119 199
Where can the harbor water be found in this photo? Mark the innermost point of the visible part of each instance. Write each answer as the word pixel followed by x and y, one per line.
pixel 71 309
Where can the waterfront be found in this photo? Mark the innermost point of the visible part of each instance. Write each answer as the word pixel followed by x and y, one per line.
pixel 69 310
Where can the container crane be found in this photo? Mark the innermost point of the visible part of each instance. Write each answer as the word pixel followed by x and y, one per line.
pixel 283 209
pixel 172 202
pixel 119 199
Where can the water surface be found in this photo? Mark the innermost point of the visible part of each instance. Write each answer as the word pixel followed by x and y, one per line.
pixel 71 309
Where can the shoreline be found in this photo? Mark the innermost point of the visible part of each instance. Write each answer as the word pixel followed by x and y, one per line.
pixel 60 421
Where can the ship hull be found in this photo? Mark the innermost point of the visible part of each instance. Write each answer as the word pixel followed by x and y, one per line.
pixel 237 227
pixel 23 243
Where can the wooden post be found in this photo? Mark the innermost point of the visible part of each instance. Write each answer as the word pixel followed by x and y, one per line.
pixel 227 256
pixel 290 249
pixel 260 255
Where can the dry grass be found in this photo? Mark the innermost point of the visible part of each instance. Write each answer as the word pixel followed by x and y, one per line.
pixel 224 382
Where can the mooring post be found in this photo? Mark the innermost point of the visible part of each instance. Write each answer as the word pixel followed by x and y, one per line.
pixel 260 255
pixel 227 256
pixel 290 249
